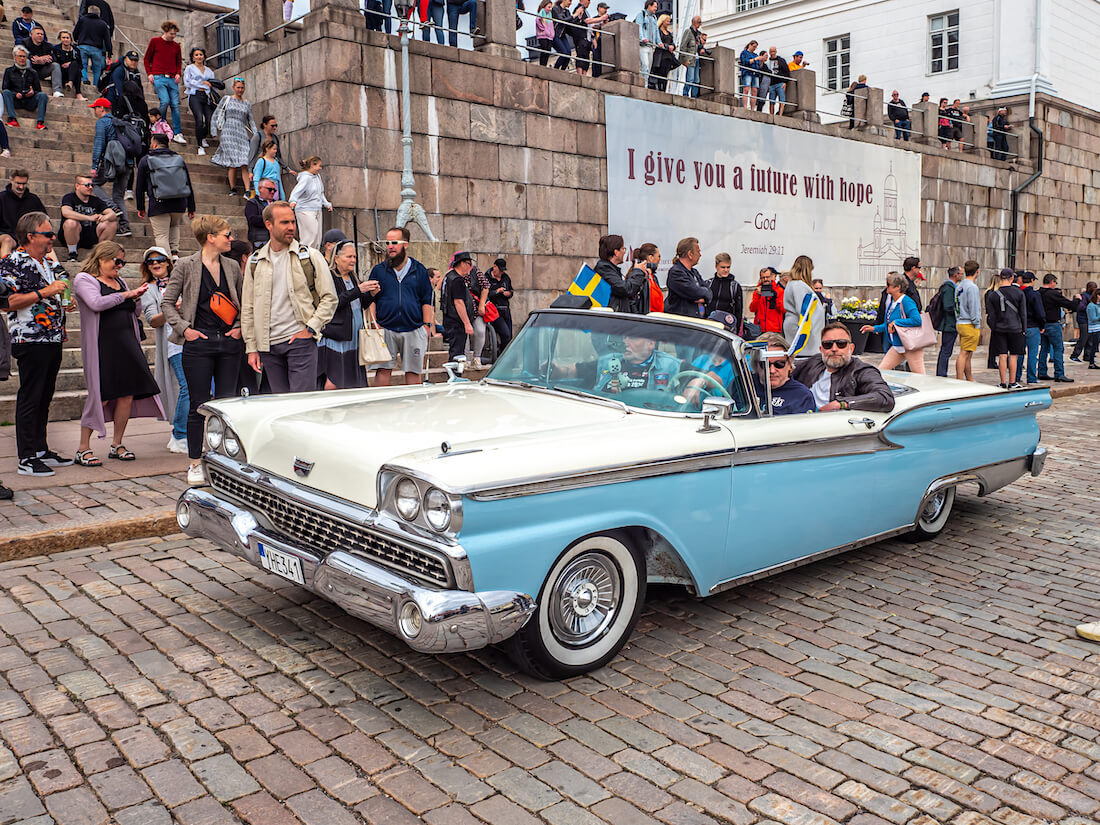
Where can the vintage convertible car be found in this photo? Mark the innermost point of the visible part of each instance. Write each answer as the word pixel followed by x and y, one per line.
pixel 602 452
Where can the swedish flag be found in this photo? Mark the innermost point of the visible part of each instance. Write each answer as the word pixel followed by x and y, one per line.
pixel 589 284
pixel 805 324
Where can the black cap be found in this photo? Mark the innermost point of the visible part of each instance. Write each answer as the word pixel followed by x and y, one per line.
pixel 460 257
pixel 334 236
pixel 1008 273
pixel 726 319
pixel 28 8
pixel 132 55
pixel 500 263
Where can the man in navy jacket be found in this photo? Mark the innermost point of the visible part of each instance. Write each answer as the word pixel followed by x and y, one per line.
pixel 401 291
pixel 687 293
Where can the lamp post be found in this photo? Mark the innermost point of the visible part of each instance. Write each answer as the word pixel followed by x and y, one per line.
pixel 409 210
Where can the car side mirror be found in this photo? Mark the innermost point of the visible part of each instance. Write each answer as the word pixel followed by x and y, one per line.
pixel 713 406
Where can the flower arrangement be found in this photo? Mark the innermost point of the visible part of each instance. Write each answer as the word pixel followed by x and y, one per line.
pixel 853 309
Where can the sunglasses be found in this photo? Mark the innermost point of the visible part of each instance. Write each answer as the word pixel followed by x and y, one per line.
pixel 394 243
pixel 779 364
pixel 151 261
pixel 120 262
pixel 838 343
pixel 228 234
pixel 50 235
pixel 89 185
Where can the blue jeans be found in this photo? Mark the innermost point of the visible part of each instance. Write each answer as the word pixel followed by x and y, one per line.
pixel 183 401
pixel 168 93
pixel 1031 337
pixel 454 11
pixel 902 129
pixel 1052 346
pixel 947 344
pixel 94 62
pixel 691 80
pixel 40 99
pixel 436 10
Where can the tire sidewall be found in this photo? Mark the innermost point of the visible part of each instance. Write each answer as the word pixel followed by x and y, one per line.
pixel 564 660
pixel 932 529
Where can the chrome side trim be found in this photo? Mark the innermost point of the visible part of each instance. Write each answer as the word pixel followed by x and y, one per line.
pixel 831 447
pixel 992 477
pixel 807 559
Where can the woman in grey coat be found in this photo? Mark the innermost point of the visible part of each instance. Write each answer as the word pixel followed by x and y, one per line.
pixel 156 267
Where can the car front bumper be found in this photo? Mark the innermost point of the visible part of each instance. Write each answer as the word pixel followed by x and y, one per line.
pixel 451 620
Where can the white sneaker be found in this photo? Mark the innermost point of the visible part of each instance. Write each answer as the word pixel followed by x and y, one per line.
pixel 202 151
pixel 477 364
pixel 177 445
pixel 179 139
pixel 205 143
pixel 6 153
pixel 58 94
pixel 129 194
pixel 195 476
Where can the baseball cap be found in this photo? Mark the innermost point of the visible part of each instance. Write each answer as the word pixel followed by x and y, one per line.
pixel 132 55
pixel 153 249
pixel 460 257
pixel 334 236
pixel 1008 273
pixel 500 263
pixel 799 54
pixel 726 319
pixel 100 103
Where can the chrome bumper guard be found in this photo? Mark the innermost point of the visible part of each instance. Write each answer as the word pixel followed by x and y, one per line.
pixel 450 620
pixel 1037 460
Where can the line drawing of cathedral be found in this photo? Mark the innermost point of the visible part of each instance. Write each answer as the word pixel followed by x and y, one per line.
pixel 888 247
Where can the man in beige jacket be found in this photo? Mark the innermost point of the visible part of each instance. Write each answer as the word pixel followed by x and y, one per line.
pixel 287 298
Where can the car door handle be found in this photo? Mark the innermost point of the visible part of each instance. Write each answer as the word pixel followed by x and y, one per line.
pixel 869 423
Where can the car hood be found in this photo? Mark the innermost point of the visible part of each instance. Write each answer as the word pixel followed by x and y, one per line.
pixel 496 434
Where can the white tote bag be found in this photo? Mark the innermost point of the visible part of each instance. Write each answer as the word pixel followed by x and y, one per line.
pixel 372 344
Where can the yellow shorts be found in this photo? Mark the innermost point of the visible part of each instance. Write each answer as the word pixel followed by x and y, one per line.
pixel 968 337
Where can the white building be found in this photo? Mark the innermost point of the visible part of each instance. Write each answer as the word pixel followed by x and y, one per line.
pixel 968 49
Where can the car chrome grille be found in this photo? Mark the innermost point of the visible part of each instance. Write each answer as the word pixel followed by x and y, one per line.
pixel 323 533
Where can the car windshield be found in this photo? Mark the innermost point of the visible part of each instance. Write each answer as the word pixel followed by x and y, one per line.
pixel 642 363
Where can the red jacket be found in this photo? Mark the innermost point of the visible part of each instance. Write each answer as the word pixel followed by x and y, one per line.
pixel 162 57
pixel 769 319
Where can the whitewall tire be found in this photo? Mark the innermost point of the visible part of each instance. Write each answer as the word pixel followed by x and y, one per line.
pixel 934 513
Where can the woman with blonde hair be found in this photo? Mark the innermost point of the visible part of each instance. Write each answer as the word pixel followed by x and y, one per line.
pixel 234 122
pixel 798 296
pixel 116 373
pixel 307 199
pixel 338 349
pixel 664 55
pixel 207 324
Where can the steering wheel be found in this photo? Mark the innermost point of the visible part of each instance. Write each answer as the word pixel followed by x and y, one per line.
pixel 709 379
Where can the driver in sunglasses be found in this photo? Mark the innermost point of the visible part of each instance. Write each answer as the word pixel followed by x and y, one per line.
pixel 839 380
pixel 789 397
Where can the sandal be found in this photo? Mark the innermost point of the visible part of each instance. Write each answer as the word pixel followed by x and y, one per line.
pixel 86 458
pixel 120 452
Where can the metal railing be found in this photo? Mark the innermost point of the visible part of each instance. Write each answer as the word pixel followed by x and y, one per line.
pixel 219 18
pixel 285 23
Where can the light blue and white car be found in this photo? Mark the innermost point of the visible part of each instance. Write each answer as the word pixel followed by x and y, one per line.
pixel 533 507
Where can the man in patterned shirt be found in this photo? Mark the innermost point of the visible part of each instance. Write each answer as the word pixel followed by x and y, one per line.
pixel 30 290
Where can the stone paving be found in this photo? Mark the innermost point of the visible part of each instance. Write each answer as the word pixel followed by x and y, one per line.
pixel 161 681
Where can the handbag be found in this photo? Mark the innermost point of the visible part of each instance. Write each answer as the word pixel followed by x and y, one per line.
pixel 372 344
pixel 490 313
pixel 914 338
pixel 224 308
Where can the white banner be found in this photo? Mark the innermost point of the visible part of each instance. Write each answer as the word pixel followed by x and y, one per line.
pixel 764 194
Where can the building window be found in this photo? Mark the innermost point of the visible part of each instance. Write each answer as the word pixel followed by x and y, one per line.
pixel 943 31
pixel 745 5
pixel 838 62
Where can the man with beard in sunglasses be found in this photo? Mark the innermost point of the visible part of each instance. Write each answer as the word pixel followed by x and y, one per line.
pixel 840 381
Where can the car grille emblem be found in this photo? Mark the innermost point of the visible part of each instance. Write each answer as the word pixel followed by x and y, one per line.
pixel 302 467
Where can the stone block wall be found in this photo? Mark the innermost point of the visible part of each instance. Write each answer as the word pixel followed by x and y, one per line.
pixel 509 157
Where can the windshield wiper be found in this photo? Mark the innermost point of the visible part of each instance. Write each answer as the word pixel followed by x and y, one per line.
pixel 591 395
pixel 527 385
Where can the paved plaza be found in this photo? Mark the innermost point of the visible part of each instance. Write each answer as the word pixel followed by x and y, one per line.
pixel 162 680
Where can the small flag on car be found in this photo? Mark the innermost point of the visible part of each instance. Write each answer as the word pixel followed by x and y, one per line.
pixel 805 324
pixel 589 284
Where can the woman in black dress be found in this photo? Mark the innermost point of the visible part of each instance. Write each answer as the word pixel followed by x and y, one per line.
pixel 338 350
pixel 664 55
pixel 115 367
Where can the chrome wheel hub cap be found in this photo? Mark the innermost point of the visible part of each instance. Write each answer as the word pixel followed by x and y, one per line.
pixel 585 598
pixel 934 506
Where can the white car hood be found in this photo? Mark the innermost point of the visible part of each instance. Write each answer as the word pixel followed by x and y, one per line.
pixel 350 435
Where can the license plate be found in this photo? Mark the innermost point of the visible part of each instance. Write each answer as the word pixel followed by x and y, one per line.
pixel 280 563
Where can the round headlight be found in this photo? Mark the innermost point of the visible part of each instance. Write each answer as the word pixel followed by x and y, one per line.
pixel 215 430
pixel 407 499
pixel 437 509
pixel 231 442
pixel 411 620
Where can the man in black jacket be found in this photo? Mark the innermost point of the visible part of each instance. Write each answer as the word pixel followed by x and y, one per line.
pixel 839 380
pixel 15 201
pixel 21 89
pixel 40 54
pixel 267 192
pixel 687 294
pixel 1034 324
pixel 93 36
pixel 624 293
pixel 165 213
pixel 726 294
pixel 1006 309
pixel 1053 304
pixel 898 113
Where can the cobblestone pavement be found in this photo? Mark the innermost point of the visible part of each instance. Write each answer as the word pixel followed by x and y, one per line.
pixel 161 680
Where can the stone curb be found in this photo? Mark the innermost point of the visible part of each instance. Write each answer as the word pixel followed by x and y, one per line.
pixel 155 523
pixel 163 522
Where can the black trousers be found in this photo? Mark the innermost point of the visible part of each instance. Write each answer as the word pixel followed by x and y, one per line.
pixel 203 111
pixel 71 74
pixel 455 336
pixel 38 367
pixel 217 358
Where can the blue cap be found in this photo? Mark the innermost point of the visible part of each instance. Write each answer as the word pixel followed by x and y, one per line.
pixel 799 54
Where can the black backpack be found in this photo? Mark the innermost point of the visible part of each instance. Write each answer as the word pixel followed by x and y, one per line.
pixel 936 311
pixel 133 134
pixel 105 76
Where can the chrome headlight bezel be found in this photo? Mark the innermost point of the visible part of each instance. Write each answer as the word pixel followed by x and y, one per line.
pixel 389 481
pixel 442 505
pixel 231 443
pixel 407 491
pixel 213 432
pixel 219 437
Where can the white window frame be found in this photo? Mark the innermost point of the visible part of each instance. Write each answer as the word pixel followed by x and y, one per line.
pixel 749 5
pixel 842 54
pixel 939 38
